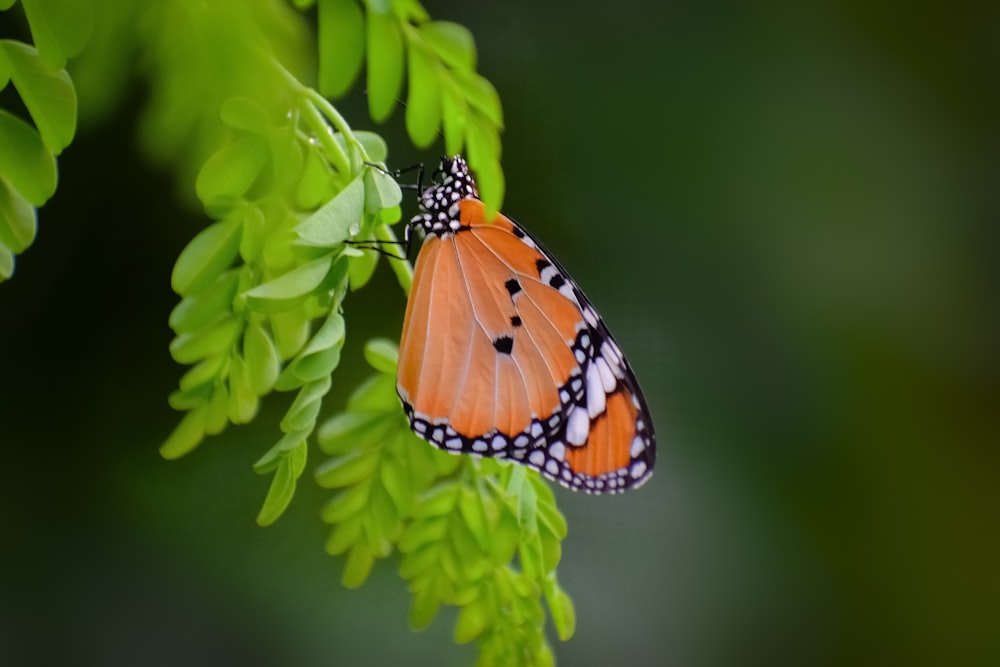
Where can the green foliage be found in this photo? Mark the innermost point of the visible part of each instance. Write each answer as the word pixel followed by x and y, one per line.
pixel 478 534
pixel 28 151
pixel 444 90
pixel 296 206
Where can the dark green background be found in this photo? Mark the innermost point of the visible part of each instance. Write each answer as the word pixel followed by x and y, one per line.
pixel 787 215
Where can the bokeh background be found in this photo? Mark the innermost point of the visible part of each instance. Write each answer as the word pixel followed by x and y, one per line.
pixel 787 213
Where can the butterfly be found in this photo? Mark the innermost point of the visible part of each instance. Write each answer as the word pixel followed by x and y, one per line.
pixel 502 355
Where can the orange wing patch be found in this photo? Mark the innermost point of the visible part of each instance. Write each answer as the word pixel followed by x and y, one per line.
pixel 502 355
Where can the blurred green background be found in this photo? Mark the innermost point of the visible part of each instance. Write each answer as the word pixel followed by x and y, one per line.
pixel 788 216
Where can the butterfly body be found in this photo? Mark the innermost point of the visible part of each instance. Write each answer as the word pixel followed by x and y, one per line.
pixel 502 355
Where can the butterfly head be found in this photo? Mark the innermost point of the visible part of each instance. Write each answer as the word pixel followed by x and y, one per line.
pixel 453 182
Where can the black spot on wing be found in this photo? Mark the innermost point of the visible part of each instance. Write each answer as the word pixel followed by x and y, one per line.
pixel 504 344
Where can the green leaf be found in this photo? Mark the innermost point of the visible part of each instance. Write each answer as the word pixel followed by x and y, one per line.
pixel 217 416
pixel 219 339
pixel 453 43
pixel 315 185
pixel 290 330
pixel 348 469
pixel 419 561
pixel 272 458
pixel 196 312
pixel 261 358
pixel 254 233
pixel 481 94
pixel 289 289
pixel 409 10
pixel 186 436
pixel 18 222
pixel 438 501
pixel 207 255
pixel 483 143
pixel 423 532
pixel 346 504
pixel 25 163
pixel 473 618
pixel 423 106
pixel 287 160
pixel 243 402
pixel 504 539
pixel 382 354
pixel 381 191
pixel 470 506
pixel 341 29
pixel 553 519
pixel 527 511
pixel 314 360
pixel 243 113
pixel 59 28
pixel 331 224
pixel 385 519
pixel 466 549
pixel 398 484
pixel 230 172
pixel 362 268
pixel 456 117
pixel 551 550
pixel 279 495
pixel 561 609
pixel 530 555
pixel 424 609
pixel 204 372
pixel 343 536
pixel 358 567
pixel 373 144
pixel 385 64
pixel 6 262
pixel 191 398
pixel 352 431
pixel 301 416
pixel 47 92
pixel 376 394
pixel 491 183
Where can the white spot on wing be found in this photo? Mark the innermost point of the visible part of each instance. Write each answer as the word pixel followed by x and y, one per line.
pixel 537 458
pixel 577 426
pixel 608 380
pixel 596 398
pixel 557 450
pixel 637 446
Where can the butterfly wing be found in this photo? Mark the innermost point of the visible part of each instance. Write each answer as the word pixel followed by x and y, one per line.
pixel 502 355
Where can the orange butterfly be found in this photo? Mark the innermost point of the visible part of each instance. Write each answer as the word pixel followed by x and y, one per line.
pixel 502 355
